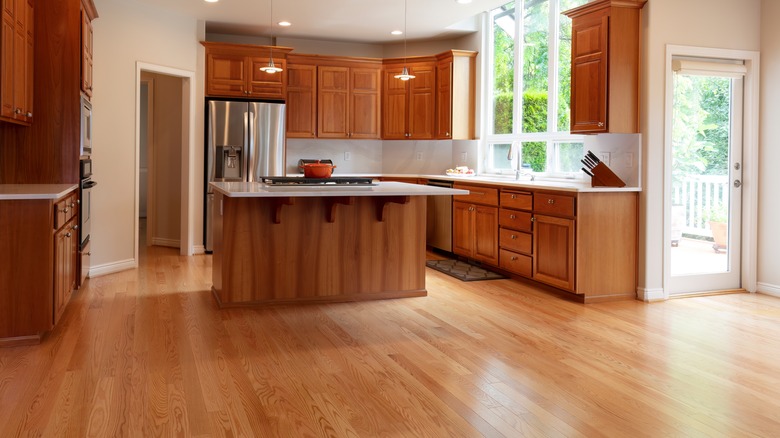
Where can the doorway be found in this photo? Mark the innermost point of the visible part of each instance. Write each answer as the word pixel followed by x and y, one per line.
pixel 165 121
pixel 704 174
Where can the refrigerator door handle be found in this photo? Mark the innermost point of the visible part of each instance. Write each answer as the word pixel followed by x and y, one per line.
pixel 250 118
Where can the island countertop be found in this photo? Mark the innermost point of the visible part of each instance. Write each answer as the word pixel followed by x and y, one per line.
pixel 262 190
pixel 35 191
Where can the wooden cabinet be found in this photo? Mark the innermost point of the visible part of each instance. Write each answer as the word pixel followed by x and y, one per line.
pixel 605 66
pixel 456 95
pixel 475 223
pixel 515 238
pixel 301 100
pixel 233 70
pixel 553 233
pixel 88 13
pixel 408 107
pixel 17 61
pixel 348 101
pixel 38 250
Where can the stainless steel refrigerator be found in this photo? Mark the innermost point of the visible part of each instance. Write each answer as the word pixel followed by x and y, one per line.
pixel 244 141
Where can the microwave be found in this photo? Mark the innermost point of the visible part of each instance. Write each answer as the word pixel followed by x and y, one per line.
pixel 86 126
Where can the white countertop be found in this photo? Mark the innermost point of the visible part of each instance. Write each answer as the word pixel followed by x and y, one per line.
pixel 261 190
pixel 35 191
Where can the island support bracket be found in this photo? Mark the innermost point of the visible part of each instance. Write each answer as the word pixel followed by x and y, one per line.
pixel 381 203
pixel 277 208
pixel 332 202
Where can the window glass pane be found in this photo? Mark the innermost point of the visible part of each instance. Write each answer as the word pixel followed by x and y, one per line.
pixel 535 75
pixel 498 156
pixel 535 155
pixel 503 68
pixel 568 157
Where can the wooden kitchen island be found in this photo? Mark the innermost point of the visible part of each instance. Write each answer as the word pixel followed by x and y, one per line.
pixel 292 244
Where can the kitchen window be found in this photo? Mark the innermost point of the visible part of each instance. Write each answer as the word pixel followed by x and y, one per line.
pixel 529 106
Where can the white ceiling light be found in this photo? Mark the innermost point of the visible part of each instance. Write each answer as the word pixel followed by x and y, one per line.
pixel 397 32
pixel 284 23
pixel 211 1
pixel 271 68
pixel 404 76
pixel 463 2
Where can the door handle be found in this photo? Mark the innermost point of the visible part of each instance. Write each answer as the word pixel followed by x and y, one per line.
pixel 737 183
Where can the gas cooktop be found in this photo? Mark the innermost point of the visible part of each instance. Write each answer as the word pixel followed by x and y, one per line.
pixel 298 181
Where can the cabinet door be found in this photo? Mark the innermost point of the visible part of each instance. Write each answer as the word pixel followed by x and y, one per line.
pixel 364 104
pixel 589 73
pixel 333 102
pixel 462 229
pixel 86 54
pixel 301 101
pixel 394 105
pixel 444 100
pixel 65 253
pixel 422 101
pixel 225 74
pixel 554 251
pixel 7 60
pixel 262 84
pixel 486 234
pixel 30 61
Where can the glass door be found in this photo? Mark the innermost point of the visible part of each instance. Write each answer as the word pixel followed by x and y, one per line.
pixel 706 163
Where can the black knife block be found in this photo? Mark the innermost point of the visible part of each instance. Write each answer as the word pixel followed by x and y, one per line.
pixel 603 176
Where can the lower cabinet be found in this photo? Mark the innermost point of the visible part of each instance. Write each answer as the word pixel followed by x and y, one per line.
pixel 475 232
pixel 38 259
pixel 554 251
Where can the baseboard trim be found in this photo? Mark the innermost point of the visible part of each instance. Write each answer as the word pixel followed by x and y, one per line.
pixel 650 295
pixel 768 289
pixel 169 243
pixel 110 268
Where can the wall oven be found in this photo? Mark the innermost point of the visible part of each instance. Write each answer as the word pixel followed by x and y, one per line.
pixel 86 126
pixel 85 198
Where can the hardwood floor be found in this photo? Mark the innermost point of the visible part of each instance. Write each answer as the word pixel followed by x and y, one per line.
pixel 146 353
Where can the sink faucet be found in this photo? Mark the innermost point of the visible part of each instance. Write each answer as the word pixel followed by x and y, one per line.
pixel 514 151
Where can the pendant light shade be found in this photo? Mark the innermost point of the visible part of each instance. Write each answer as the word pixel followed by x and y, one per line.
pixel 271 68
pixel 404 76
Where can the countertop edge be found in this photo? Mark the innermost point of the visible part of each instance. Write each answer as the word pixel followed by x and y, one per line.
pixel 35 191
pixel 261 190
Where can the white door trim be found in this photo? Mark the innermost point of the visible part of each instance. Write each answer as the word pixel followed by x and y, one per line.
pixel 749 156
pixel 187 152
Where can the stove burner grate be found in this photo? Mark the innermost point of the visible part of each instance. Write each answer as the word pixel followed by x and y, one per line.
pixel 298 181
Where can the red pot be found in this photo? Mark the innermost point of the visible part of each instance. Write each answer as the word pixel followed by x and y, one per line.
pixel 317 170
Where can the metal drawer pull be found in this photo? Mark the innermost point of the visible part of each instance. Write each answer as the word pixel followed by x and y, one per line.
pixel 514 197
pixel 513 236
pixel 64 210
pixel 551 201
pixel 514 258
pixel 511 216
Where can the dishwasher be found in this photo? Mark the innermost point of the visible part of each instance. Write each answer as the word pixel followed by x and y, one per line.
pixel 439 218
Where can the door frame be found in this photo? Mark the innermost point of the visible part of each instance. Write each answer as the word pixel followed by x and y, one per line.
pixel 749 226
pixel 150 193
pixel 187 152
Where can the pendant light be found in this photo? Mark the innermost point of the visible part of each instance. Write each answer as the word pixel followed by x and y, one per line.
pixel 271 68
pixel 404 76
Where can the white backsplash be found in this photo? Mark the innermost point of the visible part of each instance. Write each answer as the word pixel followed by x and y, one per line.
pixel 418 157
pixel 620 152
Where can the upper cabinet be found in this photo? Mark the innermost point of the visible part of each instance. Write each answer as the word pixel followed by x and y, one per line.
pixel 301 100
pixel 605 66
pixel 88 13
pixel 348 101
pixel 233 70
pixel 16 61
pixel 456 95
pixel 408 108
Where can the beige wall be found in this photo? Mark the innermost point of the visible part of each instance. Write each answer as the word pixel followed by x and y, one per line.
pixel 127 33
pixel 708 23
pixel 769 154
pixel 165 159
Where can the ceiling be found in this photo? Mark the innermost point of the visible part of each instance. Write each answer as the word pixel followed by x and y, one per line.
pixel 364 21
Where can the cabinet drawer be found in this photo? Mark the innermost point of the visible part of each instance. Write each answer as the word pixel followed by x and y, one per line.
pixel 559 205
pixel 477 195
pixel 518 200
pixel 516 263
pixel 516 220
pixel 515 240
pixel 64 210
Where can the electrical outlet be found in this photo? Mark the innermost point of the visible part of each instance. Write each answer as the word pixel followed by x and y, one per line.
pixel 419 156
pixel 347 156
pixel 464 156
pixel 629 160
pixel 605 157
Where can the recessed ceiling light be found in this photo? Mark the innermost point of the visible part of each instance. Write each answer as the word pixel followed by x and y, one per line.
pixel 463 2
pixel 211 1
pixel 284 23
pixel 396 32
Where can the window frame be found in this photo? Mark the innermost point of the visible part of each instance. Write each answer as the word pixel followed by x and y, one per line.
pixel 552 137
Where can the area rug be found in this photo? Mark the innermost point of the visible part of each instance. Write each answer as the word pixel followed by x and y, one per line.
pixel 462 270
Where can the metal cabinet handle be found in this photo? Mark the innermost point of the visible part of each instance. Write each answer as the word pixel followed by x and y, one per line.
pixel 18 111
pixel 68 234
pixel 533 218
pixel 511 216
pixel 29 114
pixel 551 201
pixel 471 208
pixel 64 210
pixel 513 236
pixel 514 196
pixel 601 124
pixel 75 227
pixel 514 258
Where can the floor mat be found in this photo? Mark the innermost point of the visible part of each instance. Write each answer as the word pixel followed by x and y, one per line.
pixel 462 270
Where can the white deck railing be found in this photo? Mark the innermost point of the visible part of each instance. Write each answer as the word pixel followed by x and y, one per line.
pixel 694 198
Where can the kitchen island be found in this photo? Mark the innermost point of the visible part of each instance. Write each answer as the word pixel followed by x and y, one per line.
pixel 292 244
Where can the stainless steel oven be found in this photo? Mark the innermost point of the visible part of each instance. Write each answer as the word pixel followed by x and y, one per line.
pixel 86 126
pixel 85 200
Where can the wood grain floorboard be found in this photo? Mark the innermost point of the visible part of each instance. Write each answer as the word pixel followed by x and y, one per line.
pixel 146 352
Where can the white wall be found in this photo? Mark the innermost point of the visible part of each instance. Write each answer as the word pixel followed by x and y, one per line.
pixel 769 154
pixel 124 34
pixel 708 23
